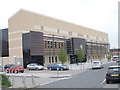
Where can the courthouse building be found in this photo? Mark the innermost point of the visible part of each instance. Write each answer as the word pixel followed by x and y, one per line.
pixel 37 38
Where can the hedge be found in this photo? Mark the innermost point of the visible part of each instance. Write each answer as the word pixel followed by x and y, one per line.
pixel 5 81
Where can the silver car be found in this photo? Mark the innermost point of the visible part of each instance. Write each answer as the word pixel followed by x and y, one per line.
pixel 35 66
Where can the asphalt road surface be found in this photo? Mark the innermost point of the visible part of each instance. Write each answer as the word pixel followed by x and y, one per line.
pixel 88 79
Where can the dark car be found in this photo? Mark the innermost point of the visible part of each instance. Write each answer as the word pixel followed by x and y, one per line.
pixel 116 58
pixel 113 74
pixel 15 69
pixel 8 66
pixel 57 67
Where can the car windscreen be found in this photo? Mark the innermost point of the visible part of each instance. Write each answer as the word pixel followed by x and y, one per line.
pixel 114 69
pixel 95 62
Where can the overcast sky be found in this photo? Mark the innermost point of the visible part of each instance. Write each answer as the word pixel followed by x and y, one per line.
pixel 101 15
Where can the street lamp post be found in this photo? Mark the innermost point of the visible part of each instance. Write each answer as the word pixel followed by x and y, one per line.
pixel 2 64
pixel 76 55
pixel 91 51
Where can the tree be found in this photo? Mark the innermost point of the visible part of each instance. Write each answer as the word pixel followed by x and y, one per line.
pixel 109 57
pixel 80 55
pixel 62 55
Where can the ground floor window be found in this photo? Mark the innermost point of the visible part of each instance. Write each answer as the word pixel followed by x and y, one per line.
pixel 49 59
pixel 56 59
pixel 52 59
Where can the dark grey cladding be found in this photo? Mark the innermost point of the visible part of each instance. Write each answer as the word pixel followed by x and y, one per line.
pixel 79 43
pixel 36 39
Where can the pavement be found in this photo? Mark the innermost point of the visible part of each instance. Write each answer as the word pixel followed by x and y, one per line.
pixel 30 79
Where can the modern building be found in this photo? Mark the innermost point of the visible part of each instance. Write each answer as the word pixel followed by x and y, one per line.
pixel 38 38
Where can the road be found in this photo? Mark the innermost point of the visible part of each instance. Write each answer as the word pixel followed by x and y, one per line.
pixel 88 79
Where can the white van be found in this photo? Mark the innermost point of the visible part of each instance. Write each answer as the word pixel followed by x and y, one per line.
pixel 97 64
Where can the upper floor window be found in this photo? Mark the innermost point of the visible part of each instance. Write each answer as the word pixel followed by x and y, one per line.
pixel 58 31
pixel 87 36
pixel 70 33
pixel 80 35
pixel 42 27
pixel 55 44
pixel 62 45
pixel 45 44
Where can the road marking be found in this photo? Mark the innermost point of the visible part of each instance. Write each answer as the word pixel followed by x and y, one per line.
pixel 102 83
pixel 54 81
pixel 47 83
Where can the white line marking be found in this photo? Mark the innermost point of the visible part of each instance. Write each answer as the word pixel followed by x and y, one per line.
pixel 47 83
pixel 102 82
pixel 54 81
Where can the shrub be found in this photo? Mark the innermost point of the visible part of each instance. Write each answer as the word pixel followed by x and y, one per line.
pixel 109 57
pixel 5 81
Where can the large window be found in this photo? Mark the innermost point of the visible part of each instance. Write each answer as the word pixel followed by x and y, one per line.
pixel 56 59
pixel 49 59
pixel 52 59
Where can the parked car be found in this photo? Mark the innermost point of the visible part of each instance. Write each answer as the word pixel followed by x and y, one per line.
pixel 15 69
pixel 35 66
pixel 57 67
pixel 8 66
pixel 113 74
pixel 115 58
pixel 97 64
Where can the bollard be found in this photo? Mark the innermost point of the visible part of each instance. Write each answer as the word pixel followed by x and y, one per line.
pixel 33 80
pixel 57 72
pixel 13 82
pixel 24 82
pixel 71 66
pixel 0 82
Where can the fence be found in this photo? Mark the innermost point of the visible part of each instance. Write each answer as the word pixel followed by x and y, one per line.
pixel 23 81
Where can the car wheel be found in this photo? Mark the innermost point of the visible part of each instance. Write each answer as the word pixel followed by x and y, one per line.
pixel 22 71
pixel 61 69
pixel 107 81
pixel 50 69
pixel 7 71
pixel 37 68
pixel 15 71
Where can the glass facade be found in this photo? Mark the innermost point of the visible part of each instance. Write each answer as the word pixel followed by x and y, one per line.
pixel 4 45
pixel 0 43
